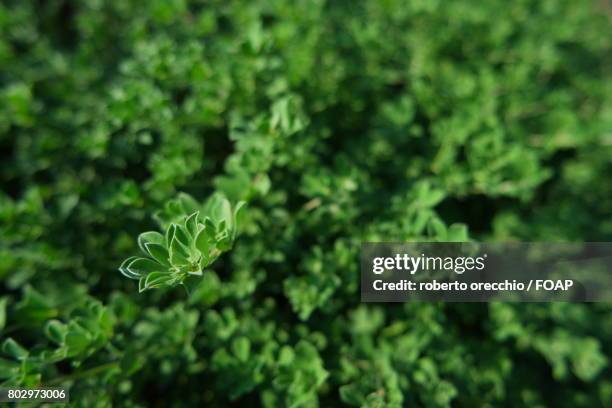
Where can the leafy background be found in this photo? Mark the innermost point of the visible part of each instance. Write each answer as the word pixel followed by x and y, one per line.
pixel 338 122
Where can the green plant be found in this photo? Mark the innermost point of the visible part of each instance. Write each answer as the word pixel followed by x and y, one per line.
pixel 339 123
pixel 186 248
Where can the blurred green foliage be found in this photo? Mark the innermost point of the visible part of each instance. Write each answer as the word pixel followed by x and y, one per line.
pixel 338 122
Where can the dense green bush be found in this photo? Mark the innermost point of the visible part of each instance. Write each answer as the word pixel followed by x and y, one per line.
pixel 337 122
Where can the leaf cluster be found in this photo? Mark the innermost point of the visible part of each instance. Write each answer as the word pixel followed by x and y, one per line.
pixel 186 248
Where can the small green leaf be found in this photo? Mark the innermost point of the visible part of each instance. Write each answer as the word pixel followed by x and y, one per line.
pixel 220 209
pixel 225 211
pixel 234 226
pixel 436 228
pixel 188 203
pixel 153 237
pixel 457 233
pixel 142 266
pixel 56 331
pixel 432 198
pixel 182 235
pixel 123 268
pixel 191 283
pixel 156 279
pixel 77 338
pixel 179 255
pixel 170 234
pixel 420 220
pixel 224 242
pixel 174 208
pixel 141 285
pixel 3 302
pixel 208 224
pixel 131 362
pixel 241 348
pixel 14 349
pixel 159 253
pixel 8 368
pixel 204 242
pixel 191 224
pixel 222 226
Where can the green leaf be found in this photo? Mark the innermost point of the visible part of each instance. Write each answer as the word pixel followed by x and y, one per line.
pixel 221 228
pixel 142 266
pixel 436 228
pixel 124 270
pixel 188 203
pixel 179 255
pixel 131 362
pixel 170 234
pixel 56 331
pixel 192 283
pixel 225 211
pixel 156 279
pixel 182 235
pixel 141 284
pixel 204 242
pixel 210 226
pixel 3 303
pixel 159 253
pixel 152 237
pixel 237 211
pixel 191 224
pixel 457 233
pixel 224 242
pixel 421 219
pixel 220 209
pixel 14 349
pixel 77 338
pixel 8 368
pixel 174 208
pixel 241 348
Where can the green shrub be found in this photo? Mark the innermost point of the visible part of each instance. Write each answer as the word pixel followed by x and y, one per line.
pixel 338 123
